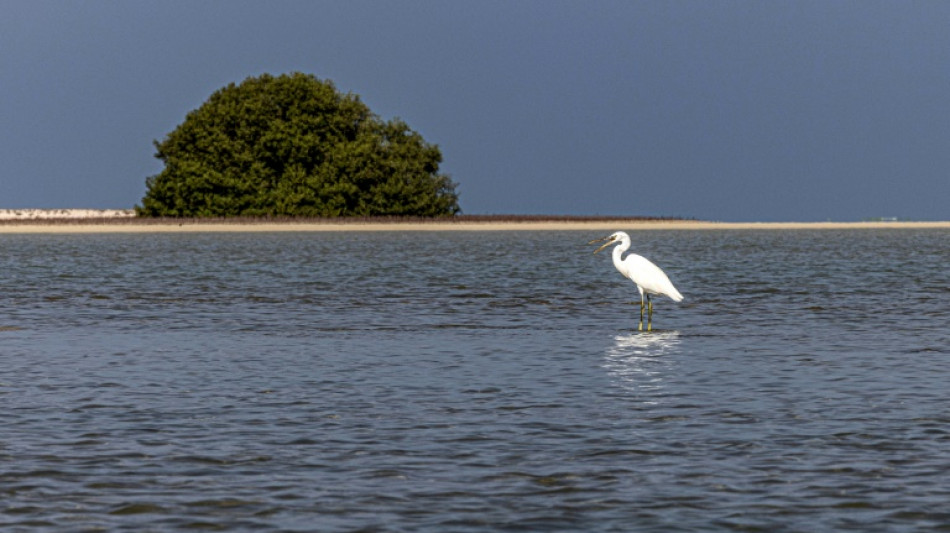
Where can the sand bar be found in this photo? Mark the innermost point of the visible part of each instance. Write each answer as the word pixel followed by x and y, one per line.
pixel 599 225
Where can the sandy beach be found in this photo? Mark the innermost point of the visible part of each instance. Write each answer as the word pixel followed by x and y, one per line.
pixel 119 221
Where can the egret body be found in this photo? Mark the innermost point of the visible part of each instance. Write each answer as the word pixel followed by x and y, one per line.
pixel 649 278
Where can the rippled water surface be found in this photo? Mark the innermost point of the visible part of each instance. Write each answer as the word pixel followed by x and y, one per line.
pixel 474 382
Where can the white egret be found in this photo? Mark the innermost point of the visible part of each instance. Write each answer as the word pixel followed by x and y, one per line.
pixel 648 277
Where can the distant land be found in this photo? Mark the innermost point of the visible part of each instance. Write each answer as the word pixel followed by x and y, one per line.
pixel 64 214
pixel 128 216
pixel 125 221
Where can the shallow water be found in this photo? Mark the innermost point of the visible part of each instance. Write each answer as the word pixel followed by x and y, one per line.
pixel 474 382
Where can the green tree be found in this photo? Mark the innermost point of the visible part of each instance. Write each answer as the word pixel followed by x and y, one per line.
pixel 292 145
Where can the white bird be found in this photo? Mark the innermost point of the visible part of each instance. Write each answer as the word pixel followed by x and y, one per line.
pixel 648 277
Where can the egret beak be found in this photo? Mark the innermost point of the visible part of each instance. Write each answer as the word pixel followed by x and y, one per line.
pixel 609 240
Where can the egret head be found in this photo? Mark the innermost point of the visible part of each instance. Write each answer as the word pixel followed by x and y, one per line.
pixel 613 238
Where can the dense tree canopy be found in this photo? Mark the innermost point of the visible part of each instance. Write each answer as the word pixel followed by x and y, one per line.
pixel 292 145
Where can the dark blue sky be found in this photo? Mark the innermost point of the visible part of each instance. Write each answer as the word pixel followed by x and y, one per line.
pixel 799 110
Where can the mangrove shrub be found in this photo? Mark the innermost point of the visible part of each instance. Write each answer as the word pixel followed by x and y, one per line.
pixel 293 145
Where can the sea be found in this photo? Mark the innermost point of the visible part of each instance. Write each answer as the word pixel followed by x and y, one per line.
pixel 474 382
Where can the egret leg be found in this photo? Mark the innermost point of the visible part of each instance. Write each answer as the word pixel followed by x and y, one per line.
pixel 640 327
pixel 649 313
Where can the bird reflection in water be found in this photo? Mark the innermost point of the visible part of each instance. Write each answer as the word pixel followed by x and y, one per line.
pixel 639 362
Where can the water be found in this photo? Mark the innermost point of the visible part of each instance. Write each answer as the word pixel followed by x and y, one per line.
pixel 474 382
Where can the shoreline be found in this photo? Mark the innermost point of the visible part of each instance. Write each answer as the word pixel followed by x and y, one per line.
pixel 539 224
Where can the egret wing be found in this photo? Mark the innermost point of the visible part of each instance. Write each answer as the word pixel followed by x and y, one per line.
pixel 649 277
